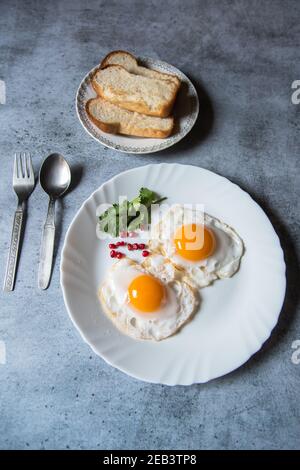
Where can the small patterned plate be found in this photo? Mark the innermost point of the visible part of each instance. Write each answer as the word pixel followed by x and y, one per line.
pixel 185 112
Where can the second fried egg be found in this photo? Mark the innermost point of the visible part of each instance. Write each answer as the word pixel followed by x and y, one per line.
pixel 201 245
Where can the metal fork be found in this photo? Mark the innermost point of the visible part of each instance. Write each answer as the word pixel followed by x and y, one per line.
pixel 23 184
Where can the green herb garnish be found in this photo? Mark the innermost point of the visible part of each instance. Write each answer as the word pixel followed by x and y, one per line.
pixel 129 215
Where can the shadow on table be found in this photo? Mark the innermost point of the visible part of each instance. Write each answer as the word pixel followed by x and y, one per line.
pixel 204 123
pixel 292 296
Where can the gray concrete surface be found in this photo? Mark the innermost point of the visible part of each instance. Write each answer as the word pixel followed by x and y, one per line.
pixel 243 57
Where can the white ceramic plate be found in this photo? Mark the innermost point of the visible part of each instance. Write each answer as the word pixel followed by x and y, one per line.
pixel 185 112
pixel 236 315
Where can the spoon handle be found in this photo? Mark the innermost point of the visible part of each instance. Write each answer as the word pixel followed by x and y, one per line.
pixel 47 247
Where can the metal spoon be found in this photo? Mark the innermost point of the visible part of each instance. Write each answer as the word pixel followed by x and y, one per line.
pixel 55 178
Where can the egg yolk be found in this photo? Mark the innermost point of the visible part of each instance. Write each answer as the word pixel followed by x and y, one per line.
pixel 194 242
pixel 145 293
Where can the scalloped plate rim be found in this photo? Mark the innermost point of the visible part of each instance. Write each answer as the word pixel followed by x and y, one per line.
pixel 124 369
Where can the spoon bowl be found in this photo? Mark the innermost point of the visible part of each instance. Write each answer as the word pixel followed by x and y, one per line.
pixel 55 175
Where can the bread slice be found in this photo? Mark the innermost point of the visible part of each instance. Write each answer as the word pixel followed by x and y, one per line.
pixel 115 120
pixel 134 92
pixel 129 62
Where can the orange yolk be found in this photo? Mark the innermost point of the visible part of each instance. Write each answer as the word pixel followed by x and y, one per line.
pixel 194 242
pixel 145 293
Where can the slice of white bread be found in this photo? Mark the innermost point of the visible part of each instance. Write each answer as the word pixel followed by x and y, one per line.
pixel 115 120
pixel 129 62
pixel 134 92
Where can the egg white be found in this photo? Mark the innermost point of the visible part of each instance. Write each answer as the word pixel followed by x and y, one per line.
pixel 178 306
pixel 163 269
pixel 224 261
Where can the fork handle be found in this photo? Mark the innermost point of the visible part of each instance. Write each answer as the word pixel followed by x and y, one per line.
pixel 47 247
pixel 13 251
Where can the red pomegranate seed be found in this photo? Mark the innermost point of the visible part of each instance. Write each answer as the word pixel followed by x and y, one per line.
pixel 119 255
pixel 113 254
pixel 129 246
pixel 112 246
pixel 122 243
pixel 145 253
pixel 135 246
pixel 123 234
pixel 132 234
pixel 142 246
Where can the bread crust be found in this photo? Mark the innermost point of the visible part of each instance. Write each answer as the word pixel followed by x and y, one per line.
pixel 162 111
pixel 109 128
pixel 115 128
pixel 106 61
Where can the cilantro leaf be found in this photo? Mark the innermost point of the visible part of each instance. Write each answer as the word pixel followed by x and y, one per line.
pixel 129 215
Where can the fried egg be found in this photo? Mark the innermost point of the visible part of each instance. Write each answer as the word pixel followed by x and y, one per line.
pixel 159 266
pixel 199 244
pixel 143 305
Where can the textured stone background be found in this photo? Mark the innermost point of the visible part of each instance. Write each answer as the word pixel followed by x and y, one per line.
pixel 243 57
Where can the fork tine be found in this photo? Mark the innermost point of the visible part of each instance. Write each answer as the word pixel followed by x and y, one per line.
pixel 24 171
pixel 20 166
pixel 24 166
pixel 15 173
pixel 30 168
